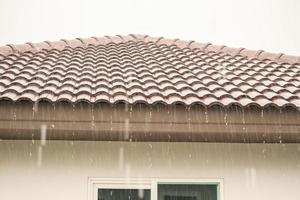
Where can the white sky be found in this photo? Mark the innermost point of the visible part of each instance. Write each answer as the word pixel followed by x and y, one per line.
pixel 272 25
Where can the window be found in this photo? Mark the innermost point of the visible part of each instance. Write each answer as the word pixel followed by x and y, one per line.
pixel 187 191
pixel 125 194
pixel 155 189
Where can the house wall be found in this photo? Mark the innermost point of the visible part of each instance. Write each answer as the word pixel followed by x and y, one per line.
pixel 60 169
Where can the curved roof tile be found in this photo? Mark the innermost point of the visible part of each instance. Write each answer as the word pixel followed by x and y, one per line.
pixel 144 69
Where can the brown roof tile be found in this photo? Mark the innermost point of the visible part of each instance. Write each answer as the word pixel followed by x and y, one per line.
pixel 144 69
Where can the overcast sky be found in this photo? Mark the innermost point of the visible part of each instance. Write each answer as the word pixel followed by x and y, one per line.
pixel 272 25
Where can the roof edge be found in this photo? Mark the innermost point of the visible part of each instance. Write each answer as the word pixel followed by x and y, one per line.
pixel 120 123
pixel 206 47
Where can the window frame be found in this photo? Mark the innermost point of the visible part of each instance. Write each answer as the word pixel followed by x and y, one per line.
pixel 95 183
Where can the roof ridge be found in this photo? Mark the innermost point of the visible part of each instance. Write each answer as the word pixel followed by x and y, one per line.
pixel 206 47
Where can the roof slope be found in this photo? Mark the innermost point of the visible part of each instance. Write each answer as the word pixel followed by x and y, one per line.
pixel 142 69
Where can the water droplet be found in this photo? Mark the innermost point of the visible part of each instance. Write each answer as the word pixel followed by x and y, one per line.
pixel 253 177
pixel 14 115
pixel 206 115
pixel 250 177
pixel 127 170
pixel 43 134
pixel 243 116
pixel 126 129
pixel 93 117
pixel 141 194
pixel 225 118
pixel 39 157
pixel 32 139
pixel 121 158
pixel 169 137
pixel 34 108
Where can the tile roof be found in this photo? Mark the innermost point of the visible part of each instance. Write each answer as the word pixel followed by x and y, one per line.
pixel 143 69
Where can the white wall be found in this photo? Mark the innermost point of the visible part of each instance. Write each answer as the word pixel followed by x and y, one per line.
pixel 271 25
pixel 60 172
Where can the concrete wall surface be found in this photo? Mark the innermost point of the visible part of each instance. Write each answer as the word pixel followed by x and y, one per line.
pixel 60 169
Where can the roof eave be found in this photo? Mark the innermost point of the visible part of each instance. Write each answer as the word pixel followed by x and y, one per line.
pixel 105 122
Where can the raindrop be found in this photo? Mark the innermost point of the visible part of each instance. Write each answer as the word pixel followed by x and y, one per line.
pixel 130 112
pixel 243 116
pixel 225 118
pixel 250 177
pixel 223 71
pixel 32 138
pixel 243 119
pixel 93 117
pixel 141 194
pixel 253 177
pixel 149 157
pixel 127 170
pixel 189 117
pixel 43 134
pixel 126 129
pixel 111 123
pixel 14 115
pixel 121 158
pixel 206 115
pixel 39 158
pixel 280 140
pixel 34 108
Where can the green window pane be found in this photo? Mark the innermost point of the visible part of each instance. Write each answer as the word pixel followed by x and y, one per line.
pixel 123 194
pixel 187 192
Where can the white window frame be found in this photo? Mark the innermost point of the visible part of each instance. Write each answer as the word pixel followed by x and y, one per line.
pixel 95 183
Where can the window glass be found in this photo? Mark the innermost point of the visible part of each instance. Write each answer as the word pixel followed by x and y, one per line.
pixel 187 192
pixel 123 194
